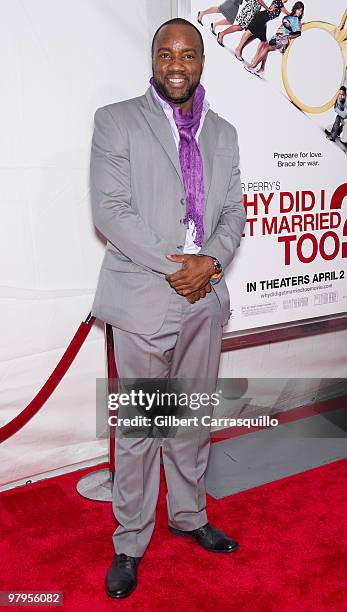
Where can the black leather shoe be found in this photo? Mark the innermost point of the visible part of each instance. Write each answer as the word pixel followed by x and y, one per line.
pixel 121 577
pixel 210 538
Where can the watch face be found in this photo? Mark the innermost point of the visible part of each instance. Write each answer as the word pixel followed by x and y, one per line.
pixel 217 266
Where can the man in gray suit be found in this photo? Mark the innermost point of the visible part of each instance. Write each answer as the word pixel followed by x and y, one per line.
pixel 166 194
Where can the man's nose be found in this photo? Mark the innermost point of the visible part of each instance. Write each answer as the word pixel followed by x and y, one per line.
pixel 177 63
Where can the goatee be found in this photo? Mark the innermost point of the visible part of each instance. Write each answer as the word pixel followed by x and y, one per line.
pixel 176 100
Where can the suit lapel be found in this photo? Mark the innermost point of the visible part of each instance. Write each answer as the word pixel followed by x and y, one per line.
pixel 161 128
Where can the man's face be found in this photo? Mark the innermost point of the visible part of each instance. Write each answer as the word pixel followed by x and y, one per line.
pixel 177 62
pixel 342 96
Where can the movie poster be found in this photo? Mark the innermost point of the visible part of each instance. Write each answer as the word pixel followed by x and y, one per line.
pixel 279 75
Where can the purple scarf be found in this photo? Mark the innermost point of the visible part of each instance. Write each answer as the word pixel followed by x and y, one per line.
pixel 190 159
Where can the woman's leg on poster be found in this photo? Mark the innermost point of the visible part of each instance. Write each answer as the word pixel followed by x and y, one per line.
pixel 247 38
pixel 264 60
pixel 221 22
pixel 261 55
pixel 208 11
pixel 258 51
pixel 230 30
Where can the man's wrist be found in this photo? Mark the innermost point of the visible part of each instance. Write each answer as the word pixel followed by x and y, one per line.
pixel 216 268
pixel 212 270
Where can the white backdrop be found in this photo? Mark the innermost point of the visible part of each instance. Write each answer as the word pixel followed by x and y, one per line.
pixel 59 61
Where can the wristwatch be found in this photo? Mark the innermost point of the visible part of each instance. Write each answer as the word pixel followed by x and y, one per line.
pixel 217 267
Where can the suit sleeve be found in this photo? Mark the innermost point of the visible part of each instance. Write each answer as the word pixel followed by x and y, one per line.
pixel 110 188
pixel 226 238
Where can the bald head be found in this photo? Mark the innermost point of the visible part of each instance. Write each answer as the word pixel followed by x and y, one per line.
pixel 178 21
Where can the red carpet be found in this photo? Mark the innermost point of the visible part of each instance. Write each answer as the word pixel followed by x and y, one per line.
pixel 292 556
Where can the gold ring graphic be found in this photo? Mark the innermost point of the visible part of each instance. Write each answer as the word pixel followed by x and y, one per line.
pixel 339 33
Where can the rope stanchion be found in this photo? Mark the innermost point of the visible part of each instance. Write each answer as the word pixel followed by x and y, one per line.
pixel 98 485
pixel 8 430
pixel 112 388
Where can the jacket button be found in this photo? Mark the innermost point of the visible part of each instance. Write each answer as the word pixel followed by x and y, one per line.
pixel 181 220
pixel 182 200
pixel 180 246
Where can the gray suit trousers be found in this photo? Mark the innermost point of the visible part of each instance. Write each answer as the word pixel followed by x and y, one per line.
pixel 187 346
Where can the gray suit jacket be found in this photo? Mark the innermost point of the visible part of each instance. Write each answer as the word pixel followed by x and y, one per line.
pixel 138 202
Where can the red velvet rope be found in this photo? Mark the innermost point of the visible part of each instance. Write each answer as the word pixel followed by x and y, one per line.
pixel 51 383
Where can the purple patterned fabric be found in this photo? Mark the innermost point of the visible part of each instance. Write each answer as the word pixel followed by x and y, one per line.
pixel 190 159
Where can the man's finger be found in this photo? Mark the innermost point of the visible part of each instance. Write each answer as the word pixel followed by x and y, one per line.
pixel 197 295
pixel 179 275
pixel 187 278
pixel 189 288
pixel 190 298
pixel 206 289
pixel 193 297
pixel 188 291
pixel 181 284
